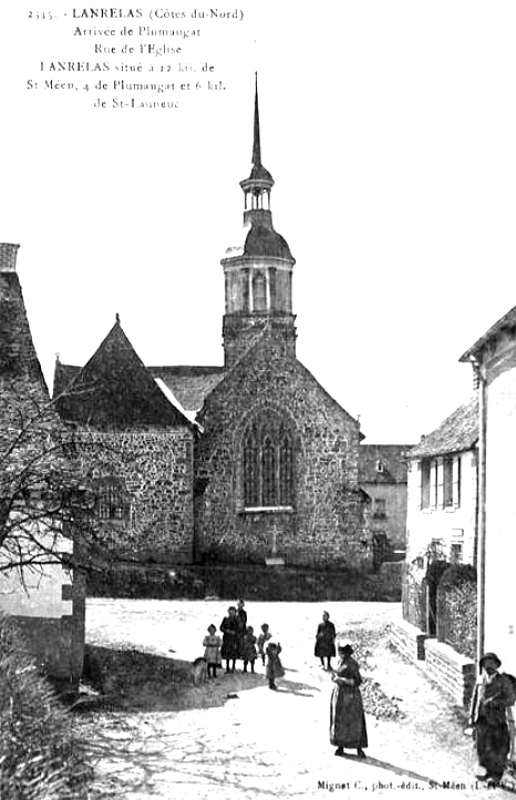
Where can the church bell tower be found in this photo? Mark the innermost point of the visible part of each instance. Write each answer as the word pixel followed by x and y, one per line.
pixel 258 273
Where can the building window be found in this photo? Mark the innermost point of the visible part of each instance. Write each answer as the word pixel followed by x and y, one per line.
pixel 259 292
pixel 268 463
pixel 457 546
pixel 436 550
pixel 379 466
pixel 448 482
pixel 379 508
pixel 456 553
pixel 112 500
pixel 425 483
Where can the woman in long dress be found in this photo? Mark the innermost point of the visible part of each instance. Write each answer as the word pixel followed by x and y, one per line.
pixel 347 720
pixel 325 640
pixel 230 628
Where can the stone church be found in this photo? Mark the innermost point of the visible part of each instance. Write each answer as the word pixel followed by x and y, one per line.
pixel 249 462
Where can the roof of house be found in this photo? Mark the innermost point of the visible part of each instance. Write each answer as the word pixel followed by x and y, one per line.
pixel 458 432
pixel 114 389
pixel 27 417
pixel 382 463
pixel 190 385
pixel 18 358
pixel 507 321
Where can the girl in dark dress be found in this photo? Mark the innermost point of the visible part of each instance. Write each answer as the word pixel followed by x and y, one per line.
pixel 325 640
pixel 249 648
pixel 229 627
pixel 274 668
pixel 347 720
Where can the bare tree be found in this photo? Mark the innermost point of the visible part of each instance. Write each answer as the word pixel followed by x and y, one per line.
pixel 47 492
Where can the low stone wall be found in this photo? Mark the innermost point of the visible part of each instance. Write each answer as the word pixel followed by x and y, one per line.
pixel 454 673
pixel 409 640
pixel 274 583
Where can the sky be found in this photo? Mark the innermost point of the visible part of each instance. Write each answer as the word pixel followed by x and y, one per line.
pixel 389 127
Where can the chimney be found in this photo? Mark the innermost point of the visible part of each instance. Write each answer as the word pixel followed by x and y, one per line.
pixel 8 254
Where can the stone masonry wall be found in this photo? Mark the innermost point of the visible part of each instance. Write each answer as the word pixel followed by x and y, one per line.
pixel 453 672
pixel 157 470
pixel 326 524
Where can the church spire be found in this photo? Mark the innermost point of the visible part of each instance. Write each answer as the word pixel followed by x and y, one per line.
pixel 257 187
pixel 257 151
pixel 258 272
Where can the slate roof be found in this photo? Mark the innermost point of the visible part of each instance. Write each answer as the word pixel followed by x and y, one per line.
pixel 18 357
pixel 263 240
pixel 457 433
pixel 189 384
pixel 507 321
pixel 392 460
pixel 24 397
pixel 114 390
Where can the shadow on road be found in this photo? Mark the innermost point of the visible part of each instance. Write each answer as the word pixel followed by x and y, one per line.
pixel 407 773
pixel 292 687
pixel 130 679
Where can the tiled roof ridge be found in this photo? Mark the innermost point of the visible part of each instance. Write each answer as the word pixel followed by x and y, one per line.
pixel 458 432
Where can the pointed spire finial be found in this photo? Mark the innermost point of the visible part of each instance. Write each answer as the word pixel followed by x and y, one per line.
pixel 257 154
pixel 117 317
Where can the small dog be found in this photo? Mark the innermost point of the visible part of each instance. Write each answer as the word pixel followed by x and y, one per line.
pixel 199 671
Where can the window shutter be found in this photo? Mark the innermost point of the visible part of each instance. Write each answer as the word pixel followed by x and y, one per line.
pixel 457 476
pixel 433 484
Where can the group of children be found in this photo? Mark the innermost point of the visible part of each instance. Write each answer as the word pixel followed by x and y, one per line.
pixel 242 645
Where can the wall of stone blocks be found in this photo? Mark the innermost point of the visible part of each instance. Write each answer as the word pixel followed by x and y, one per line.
pixel 408 640
pixel 454 673
pixel 156 467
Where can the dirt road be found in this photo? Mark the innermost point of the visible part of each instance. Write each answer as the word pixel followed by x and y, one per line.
pixel 234 738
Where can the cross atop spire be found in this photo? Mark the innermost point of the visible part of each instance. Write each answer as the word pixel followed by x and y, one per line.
pixel 257 153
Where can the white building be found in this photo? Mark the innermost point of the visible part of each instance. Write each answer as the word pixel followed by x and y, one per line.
pixel 493 357
pixel 442 490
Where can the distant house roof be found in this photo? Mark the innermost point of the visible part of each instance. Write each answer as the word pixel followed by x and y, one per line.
pixel 190 385
pixel 457 433
pixel 382 463
pixel 114 389
pixel 507 321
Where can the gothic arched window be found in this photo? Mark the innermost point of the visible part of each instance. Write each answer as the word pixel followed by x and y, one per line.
pixel 268 463
pixel 250 471
pixel 286 464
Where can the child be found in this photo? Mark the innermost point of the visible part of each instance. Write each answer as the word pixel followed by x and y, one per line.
pixel 212 644
pixel 263 638
pixel 274 668
pixel 249 648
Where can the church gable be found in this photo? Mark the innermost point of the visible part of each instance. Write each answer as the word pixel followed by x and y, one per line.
pixel 267 372
pixel 115 390
pixel 278 461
